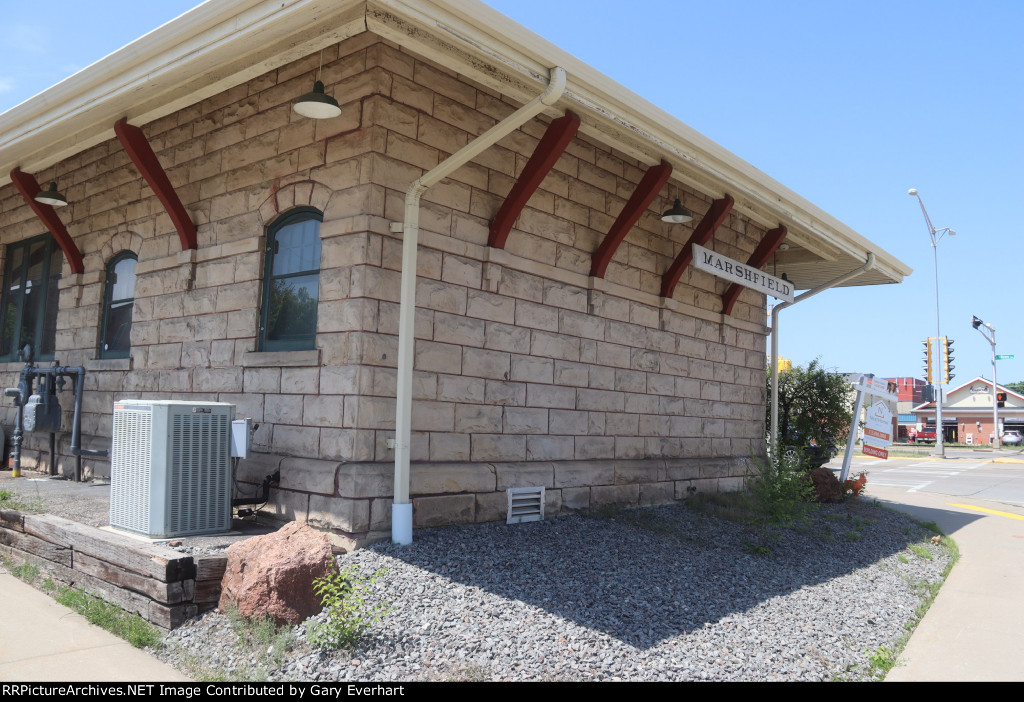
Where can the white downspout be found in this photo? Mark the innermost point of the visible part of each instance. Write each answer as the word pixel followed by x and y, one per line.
pixel 401 509
pixel 774 436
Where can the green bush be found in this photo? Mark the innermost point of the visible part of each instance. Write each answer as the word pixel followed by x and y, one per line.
pixel 346 601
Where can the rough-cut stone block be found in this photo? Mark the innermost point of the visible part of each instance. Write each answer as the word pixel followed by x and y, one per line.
pixel 574 499
pixel 435 478
pixel 614 495
pixel 525 420
pixel 553 448
pixel 584 473
pixel 657 493
pixel 498 447
pixel 344 514
pixel 307 475
pixel 491 507
pixel 362 480
pixel 497 392
pixel 449 447
pixel 478 419
pixel 482 363
pixel 524 474
pixel 639 471
pixel 447 509
pixel 595 447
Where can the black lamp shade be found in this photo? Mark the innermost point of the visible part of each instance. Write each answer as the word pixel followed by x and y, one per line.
pixel 316 104
pixel 677 215
pixel 51 197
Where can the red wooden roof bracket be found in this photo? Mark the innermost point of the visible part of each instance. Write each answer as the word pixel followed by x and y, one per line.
pixel 551 146
pixel 701 235
pixel 29 188
pixel 757 259
pixel 646 190
pixel 135 144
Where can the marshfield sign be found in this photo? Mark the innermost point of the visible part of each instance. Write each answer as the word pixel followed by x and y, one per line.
pixel 741 273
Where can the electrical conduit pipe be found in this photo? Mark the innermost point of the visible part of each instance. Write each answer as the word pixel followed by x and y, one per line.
pixel 401 510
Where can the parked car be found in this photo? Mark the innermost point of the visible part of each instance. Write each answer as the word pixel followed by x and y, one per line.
pixel 925 436
pixel 1011 438
pixel 815 454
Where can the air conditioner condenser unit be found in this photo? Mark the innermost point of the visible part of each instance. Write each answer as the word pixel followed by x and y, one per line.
pixel 170 467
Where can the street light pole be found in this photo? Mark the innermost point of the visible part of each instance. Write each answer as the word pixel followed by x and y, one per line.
pixel 940 450
pixel 977 323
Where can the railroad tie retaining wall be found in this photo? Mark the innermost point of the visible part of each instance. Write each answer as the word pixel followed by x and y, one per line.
pixel 164 586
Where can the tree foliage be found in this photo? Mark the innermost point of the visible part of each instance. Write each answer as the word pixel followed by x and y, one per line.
pixel 1016 387
pixel 814 406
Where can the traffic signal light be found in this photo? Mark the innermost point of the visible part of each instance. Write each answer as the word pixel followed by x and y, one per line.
pixel 975 322
pixel 947 359
pixel 1000 399
pixel 927 361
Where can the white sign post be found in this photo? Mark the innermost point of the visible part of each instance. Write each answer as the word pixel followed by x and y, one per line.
pixel 876 436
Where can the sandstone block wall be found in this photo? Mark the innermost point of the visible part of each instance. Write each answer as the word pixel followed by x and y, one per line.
pixel 527 370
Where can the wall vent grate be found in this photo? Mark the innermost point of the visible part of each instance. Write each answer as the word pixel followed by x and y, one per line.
pixel 525 505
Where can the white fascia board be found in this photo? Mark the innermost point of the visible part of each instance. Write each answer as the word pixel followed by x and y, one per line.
pixel 210 48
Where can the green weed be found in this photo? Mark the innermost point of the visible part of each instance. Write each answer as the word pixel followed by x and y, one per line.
pixel 882 661
pixel 129 626
pixel 921 551
pixel 346 600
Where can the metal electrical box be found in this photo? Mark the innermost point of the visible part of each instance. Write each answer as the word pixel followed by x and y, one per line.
pixel 170 467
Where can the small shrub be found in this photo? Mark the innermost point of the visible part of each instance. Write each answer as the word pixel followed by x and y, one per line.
pixel 781 490
pixel 349 613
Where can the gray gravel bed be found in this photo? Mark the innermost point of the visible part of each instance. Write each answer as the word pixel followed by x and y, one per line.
pixel 662 593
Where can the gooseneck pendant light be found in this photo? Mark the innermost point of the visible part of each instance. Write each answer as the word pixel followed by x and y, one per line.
pixel 51 197
pixel 677 215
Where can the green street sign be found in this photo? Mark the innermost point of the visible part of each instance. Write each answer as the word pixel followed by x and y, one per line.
pixel 1004 357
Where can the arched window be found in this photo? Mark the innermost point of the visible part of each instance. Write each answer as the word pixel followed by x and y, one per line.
pixel 118 301
pixel 29 304
pixel 291 282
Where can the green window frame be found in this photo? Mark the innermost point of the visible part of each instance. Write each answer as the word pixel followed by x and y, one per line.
pixel 291 282
pixel 118 304
pixel 29 303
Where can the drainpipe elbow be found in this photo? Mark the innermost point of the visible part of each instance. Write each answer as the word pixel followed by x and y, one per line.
pixel 556 86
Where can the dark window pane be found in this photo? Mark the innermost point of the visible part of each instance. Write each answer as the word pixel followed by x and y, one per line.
pixel 118 303
pixel 30 294
pixel 292 285
pixel 124 280
pixel 291 312
pixel 298 248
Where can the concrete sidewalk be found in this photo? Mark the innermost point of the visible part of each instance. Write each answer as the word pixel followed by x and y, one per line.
pixel 974 631
pixel 42 641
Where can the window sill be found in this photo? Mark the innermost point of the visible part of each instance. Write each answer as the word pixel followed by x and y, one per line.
pixel 109 364
pixel 277 359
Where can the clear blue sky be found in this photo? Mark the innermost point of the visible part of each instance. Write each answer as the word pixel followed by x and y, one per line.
pixel 848 104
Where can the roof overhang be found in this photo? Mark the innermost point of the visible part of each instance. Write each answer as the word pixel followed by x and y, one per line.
pixel 219 44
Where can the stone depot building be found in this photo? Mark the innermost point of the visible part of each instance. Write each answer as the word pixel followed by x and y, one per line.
pixel 219 246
